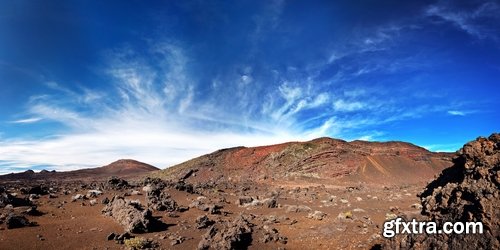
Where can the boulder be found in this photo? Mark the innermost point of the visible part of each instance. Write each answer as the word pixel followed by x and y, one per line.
pixel 8 199
pixel 203 222
pixel 297 209
pixel 130 215
pixel 159 200
pixel 17 221
pixel 317 215
pixel 39 190
pixel 117 183
pixel 183 186
pixel 272 235
pixel 93 193
pixel 231 235
pixel 244 200
pixel 201 205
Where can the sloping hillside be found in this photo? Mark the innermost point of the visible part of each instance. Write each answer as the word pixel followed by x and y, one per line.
pixel 121 168
pixel 322 161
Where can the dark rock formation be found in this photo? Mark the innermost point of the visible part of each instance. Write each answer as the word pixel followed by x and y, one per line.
pixel 159 200
pixel 39 190
pixel 244 200
pixel 232 235
pixel 183 186
pixel 154 183
pixel 469 191
pixel 33 211
pixel 203 222
pixel 8 199
pixel 272 235
pixel 17 221
pixel 117 183
pixel 130 215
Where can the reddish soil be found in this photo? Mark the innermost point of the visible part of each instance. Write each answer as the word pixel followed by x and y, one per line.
pixel 354 186
pixel 77 225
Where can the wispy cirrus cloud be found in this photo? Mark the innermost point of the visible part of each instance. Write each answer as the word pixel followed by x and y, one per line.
pixel 479 21
pixel 461 112
pixel 155 109
pixel 346 106
pixel 456 112
pixel 27 120
pixel 152 115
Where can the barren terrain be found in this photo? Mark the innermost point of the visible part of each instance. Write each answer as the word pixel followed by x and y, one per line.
pixel 323 194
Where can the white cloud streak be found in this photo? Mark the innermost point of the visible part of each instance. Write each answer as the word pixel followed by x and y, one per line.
pixel 27 120
pixel 475 23
pixel 456 113
pixel 346 106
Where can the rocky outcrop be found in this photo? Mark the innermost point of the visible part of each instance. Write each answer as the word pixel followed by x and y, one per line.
pixel 130 215
pixel 469 191
pixel 201 204
pixel 8 199
pixel 16 221
pixel 232 235
pixel 117 183
pixel 159 200
pixel 203 222
pixel 272 235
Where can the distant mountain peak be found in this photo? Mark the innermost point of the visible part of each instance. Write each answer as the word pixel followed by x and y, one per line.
pixel 122 167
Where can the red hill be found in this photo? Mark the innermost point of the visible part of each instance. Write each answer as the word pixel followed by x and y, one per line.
pixel 120 168
pixel 322 161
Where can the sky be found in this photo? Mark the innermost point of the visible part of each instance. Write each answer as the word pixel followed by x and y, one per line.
pixel 84 83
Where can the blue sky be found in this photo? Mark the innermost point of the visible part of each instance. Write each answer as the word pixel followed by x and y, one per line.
pixel 84 83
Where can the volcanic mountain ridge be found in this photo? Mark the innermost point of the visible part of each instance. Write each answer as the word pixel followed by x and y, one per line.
pixel 120 168
pixel 320 161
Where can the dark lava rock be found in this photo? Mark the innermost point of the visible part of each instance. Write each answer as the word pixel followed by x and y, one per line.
pixel 39 190
pixel 33 211
pixel 130 215
pixel 176 240
pixel 156 183
pixel 244 200
pixel 270 202
pixel 120 238
pixel 159 200
pixel 111 236
pixel 117 183
pixel 211 208
pixel 272 235
pixel 232 235
pixel 187 174
pixel 186 187
pixel 105 201
pixel 203 222
pixel 17 221
pixel 214 209
pixel 7 199
pixel 469 191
